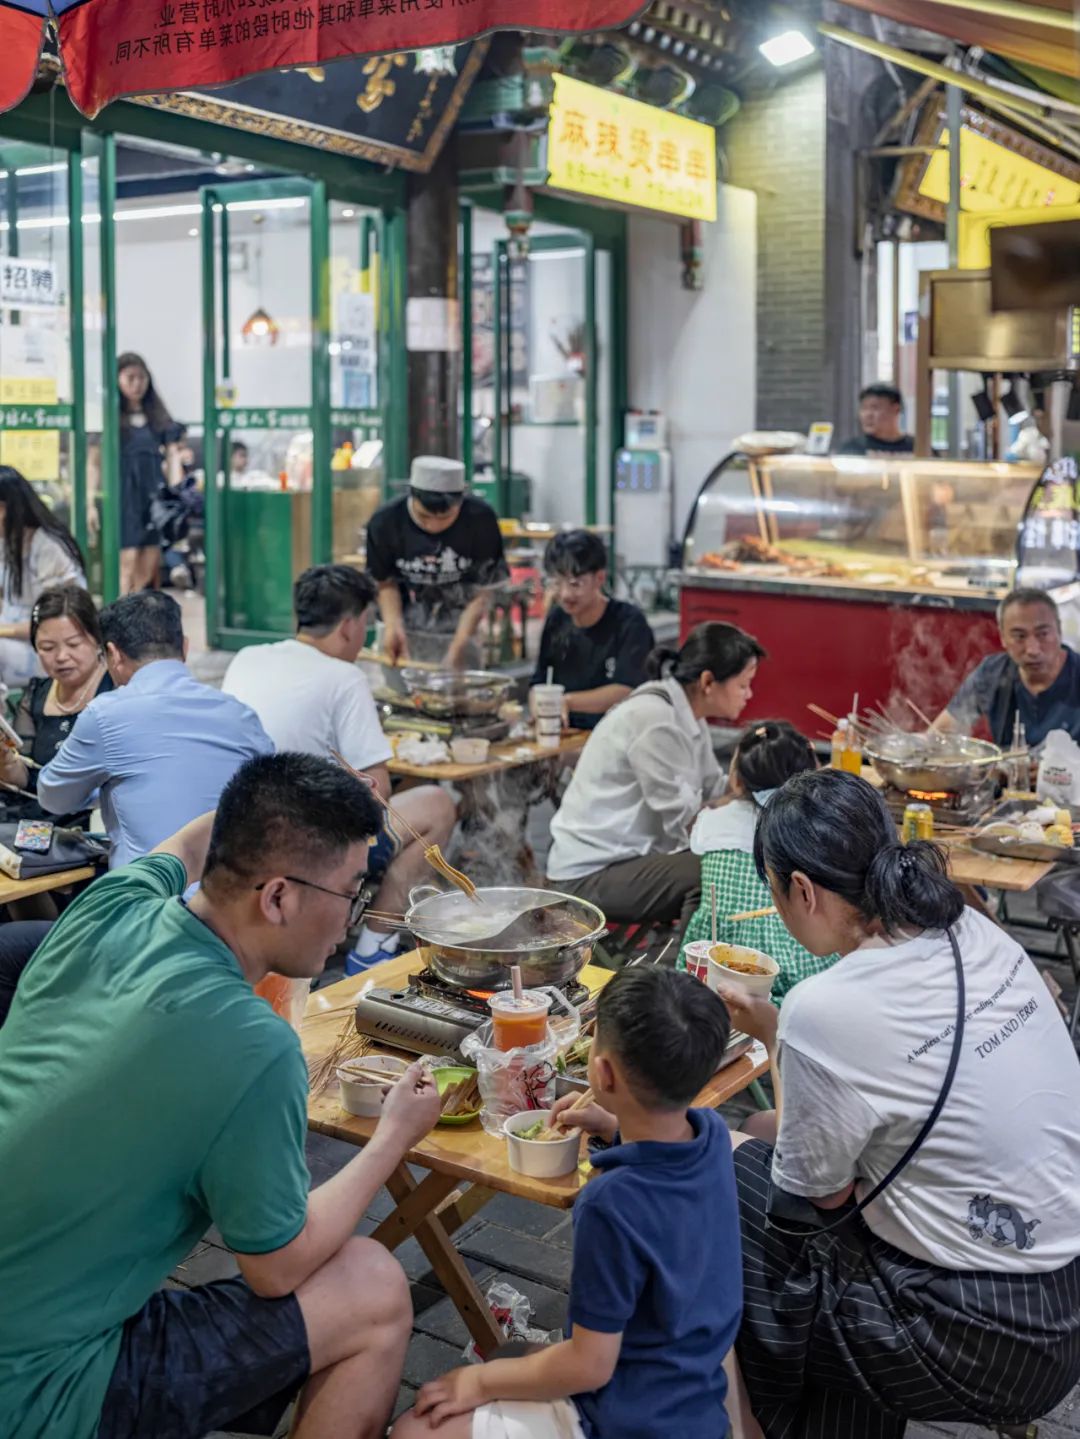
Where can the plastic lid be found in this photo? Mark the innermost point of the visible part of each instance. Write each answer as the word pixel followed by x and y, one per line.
pixel 531 1001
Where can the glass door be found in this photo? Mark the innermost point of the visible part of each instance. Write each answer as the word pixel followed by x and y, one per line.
pixel 548 432
pixel 266 393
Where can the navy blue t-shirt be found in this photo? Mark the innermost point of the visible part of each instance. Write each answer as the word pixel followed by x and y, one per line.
pixel 995 691
pixel 657 1259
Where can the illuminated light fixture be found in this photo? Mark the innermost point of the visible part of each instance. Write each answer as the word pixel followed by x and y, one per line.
pixel 260 329
pixel 1013 405
pixel 785 49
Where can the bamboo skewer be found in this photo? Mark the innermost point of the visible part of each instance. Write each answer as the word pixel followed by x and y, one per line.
pixel 920 714
pixel 751 914
pixel 432 853
pixel 824 714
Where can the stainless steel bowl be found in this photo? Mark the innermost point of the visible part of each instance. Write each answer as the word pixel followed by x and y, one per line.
pixel 961 765
pixel 456 692
pixel 553 949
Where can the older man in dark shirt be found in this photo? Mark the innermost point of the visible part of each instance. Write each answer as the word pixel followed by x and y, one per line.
pixel 1036 678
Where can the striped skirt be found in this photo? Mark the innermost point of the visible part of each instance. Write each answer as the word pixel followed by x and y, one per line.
pixel 845 1337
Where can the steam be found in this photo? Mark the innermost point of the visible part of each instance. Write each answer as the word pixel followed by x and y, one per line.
pixel 931 665
pixel 490 844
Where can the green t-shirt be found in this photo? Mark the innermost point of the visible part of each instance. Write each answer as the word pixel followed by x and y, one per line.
pixel 146 1092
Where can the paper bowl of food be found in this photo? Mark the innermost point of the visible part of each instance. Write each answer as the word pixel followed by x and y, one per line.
pixel 469 750
pixel 361 1092
pixel 747 969
pixel 535 1148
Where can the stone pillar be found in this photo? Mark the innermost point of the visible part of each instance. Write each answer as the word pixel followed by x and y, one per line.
pixel 432 321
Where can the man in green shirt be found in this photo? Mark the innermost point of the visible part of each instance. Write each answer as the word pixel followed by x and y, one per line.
pixel 146 1093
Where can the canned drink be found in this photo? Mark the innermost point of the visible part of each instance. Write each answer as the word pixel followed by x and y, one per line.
pixel 925 822
pixel 909 829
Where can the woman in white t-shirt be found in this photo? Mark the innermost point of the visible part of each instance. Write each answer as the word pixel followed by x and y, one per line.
pixel 37 553
pixel 955 1293
pixel 621 837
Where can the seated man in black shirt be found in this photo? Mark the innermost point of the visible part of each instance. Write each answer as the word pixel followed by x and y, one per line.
pixel 880 408
pixel 435 554
pixel 594 645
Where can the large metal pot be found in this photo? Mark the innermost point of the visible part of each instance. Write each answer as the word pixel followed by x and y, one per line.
pixel 465 693
pixel 950 765
pixel 539 942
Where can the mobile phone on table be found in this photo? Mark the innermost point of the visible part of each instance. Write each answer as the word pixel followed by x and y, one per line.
pixel 34 836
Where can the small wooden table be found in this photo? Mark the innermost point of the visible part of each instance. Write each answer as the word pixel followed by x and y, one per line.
pixel 15 889
pixel 993 871
pixel 508 755
pixel 466 1166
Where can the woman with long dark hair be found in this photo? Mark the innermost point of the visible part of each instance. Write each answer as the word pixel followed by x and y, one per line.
pixel 66 635
pixel 911 1224
pixel 620 838
pixel 149 460
pixel 36 552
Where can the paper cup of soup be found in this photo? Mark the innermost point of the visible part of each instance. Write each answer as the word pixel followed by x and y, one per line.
pixel 747 969
pixel 534 1148
pixel 362 1095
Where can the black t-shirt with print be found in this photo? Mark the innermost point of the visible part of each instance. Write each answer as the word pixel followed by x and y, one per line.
pixel 610 652
pixel 437 574
pixel 867 445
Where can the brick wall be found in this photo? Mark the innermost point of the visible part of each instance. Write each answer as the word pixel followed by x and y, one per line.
pixel 776 147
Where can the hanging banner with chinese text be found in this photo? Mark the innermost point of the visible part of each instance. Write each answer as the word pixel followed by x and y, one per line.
pixel 112 48
pixel 615 148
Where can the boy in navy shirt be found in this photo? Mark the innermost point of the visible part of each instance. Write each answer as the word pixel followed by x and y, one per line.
pixel 656 1290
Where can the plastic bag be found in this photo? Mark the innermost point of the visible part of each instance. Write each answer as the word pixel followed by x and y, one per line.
pixel 512 1311
pixel 513 1080
pixel 1059 770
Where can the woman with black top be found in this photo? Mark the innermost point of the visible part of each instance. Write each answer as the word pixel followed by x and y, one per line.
pixel 911 1216
pixel 149 439
pixel 66 635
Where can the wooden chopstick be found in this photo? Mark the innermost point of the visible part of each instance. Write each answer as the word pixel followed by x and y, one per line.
pixel 432 853
pixel 824 714
pixel 919 714
pixel 751 914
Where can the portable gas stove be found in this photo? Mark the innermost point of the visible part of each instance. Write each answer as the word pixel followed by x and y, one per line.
pixel 399 714
pixel 962 807
pixel 429 1016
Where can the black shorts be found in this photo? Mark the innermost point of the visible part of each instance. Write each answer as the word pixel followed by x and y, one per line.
pixel 195 1360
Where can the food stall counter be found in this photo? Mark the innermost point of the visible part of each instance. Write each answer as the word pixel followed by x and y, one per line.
pixel 880 576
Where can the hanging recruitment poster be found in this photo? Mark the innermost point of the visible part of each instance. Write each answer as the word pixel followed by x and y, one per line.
pixel 112 48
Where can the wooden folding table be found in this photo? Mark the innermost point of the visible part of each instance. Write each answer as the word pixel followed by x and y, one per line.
pixel 466 1166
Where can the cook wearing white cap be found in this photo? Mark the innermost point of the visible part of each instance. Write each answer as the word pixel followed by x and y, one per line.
pixel 435 554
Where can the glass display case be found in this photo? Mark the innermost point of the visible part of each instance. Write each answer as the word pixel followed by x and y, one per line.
pixel 865 526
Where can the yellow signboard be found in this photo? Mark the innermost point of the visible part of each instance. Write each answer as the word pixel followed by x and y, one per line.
pixel 994 178
pixel 975 230
pixel 614 148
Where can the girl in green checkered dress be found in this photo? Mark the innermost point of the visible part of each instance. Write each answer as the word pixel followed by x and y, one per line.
pixel 765 757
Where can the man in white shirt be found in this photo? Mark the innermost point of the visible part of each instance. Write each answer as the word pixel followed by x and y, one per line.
pixel 310 696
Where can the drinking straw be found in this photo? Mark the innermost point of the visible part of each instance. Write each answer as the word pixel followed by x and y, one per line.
pixel 551 674
pixel 515 979
pixel 712 888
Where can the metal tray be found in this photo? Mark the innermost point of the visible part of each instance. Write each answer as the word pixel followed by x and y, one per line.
pixel 1020 849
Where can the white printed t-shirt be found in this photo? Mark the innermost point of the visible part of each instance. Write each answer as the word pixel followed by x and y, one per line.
pixel 309 701
pixel 863 1052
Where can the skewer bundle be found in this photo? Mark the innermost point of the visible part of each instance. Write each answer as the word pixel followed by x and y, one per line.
pixel 348 1045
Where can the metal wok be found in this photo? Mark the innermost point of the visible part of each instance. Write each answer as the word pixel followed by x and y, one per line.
pixel 950 765
pixel 551 943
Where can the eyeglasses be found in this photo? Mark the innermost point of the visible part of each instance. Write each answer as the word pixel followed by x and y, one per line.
pixel 356 901
pixel 569 586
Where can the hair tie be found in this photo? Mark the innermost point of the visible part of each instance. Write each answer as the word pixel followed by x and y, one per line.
pixel 907 859
pixel 761 732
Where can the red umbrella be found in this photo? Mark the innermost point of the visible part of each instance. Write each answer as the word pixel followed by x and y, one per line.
pixel 111 48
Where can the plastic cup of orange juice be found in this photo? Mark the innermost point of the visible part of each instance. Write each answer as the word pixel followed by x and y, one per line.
pixel 519 1022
